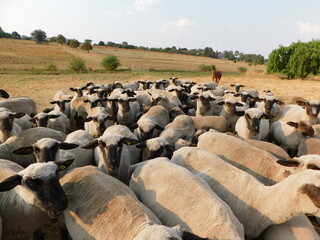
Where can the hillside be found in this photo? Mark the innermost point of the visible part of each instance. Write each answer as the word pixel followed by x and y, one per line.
pixel 26 55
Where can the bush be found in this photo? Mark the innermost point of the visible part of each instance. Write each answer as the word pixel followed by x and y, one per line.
pixel 205 68
pixel 242 69
pixel 51 67
pixel 110 62
pixel 77 65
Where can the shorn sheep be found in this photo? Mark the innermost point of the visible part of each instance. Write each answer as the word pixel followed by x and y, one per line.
pixel 216 75
pixel 101 207
pixel 36 191
pixel 252 202
pixel 169 190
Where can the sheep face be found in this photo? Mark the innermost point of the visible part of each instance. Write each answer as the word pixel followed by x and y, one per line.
pixel 124 103
pixel 41 179
pixel 42 119
pixel 155 147
pixel 101 93
pixel 7 121
pixel 92 103
pixel 304 162
pixel 61 103
pixel 253 118
pixel 147 129
pixel 78 91
pixel 45 149
pixel 304 127
pixel 237 86
pixel 100 122
pixel 269 102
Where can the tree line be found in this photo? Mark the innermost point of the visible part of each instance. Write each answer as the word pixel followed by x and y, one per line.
pixel 297 60
pixel 41 37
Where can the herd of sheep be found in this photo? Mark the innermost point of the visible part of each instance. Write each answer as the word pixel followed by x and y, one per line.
pixel 161 160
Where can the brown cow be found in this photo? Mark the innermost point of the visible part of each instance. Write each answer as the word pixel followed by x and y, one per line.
pixel 216 75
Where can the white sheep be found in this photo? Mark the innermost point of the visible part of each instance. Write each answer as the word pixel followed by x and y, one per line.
pixel 229 111
pixel 253 125
pixel 206 105
pixel 100 206
pixel 129 111
pixel 169 190
pixel 252 202
pixel 56 120
pixel 307 110
pixel 152 123
pixel 114 153
pixel 270 105
pixel 215 122
pixel 8 127
pixel 27 195
pixel 20 105
pixel 96 124
pixel 289 134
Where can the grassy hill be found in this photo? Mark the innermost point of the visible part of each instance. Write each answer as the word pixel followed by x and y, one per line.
pixel 27 55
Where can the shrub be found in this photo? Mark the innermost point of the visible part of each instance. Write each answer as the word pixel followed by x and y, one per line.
pixel 110 62
pixel 242 69
pixel 205 68
pixel 77 65
pixel 51 67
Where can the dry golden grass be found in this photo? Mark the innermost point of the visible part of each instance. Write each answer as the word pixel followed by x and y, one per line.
pixel 22 54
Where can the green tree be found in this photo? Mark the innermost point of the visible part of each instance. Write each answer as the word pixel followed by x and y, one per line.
pixel 61 39
pixel 53 39
pixel 4 34
pixel 242 70
pixel 39 36
pixel 73 43
pixel 101 43
pixel 15 35
pixel 110 62
pixel 86 45
pixel 51 67
pixel 77 65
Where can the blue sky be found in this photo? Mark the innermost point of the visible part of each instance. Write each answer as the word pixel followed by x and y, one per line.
pixel 249 26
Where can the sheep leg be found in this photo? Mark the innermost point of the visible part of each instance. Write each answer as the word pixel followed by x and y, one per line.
pixel 38 235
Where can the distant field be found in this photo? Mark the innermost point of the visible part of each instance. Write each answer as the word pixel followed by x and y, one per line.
pixel 22 54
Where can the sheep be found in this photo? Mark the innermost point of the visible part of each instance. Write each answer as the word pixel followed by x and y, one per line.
pixel 270 105
pixel 237 86
pixel 24 122
pixel 78 109
pixel 8 127
pixel 102 207
pixel 152 123
pixel 309 146
pixel 3 94
pixel 252 202
pixel 205 104
pixel 129 111
pixel 215 122
pixel 298 113
pixel 56 120
pixel 112 156
pixel 289 134
pixel 275 150
pixel 61 95
pixel 62 105
pixel 36 192
pixel 165 101
pixel 49 149
pixel 216 75
pixel 20 105
pixel 132 85
pixel 97 123
pixel 264 167
pixel 162 146
pixel 155 184
pixel 229 111
pixel 145 84
pixel 253 125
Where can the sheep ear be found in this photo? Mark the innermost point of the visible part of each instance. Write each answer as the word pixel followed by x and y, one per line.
pixel 62 165
pixel 232 85
pixel 86 100
pixel 10 183
pixel 72 89
pixel 158 127
pixel 247 116
pixel 293 124
pixel 289 163
pixel 313 193
pixel 91 145
pixel 54 115
pixel 3 93
pixel 141 145
pixel 301 103
pixel 267 116
pixel 221 103
pixel 23 151
pixel 68 100
pixel 239 113
pixel 279 102
pixel 87 119
pixel 238 104
pixel 68 146
pixel 241 85
pixel 19 115
pixel 190 236
pixel 129 141
pixel 53 102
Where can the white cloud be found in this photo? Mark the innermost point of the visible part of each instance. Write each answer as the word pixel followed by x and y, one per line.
pixel 306 27
pixel 177 27
pixel 118 13
pixel 231 25
pixel 144 4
